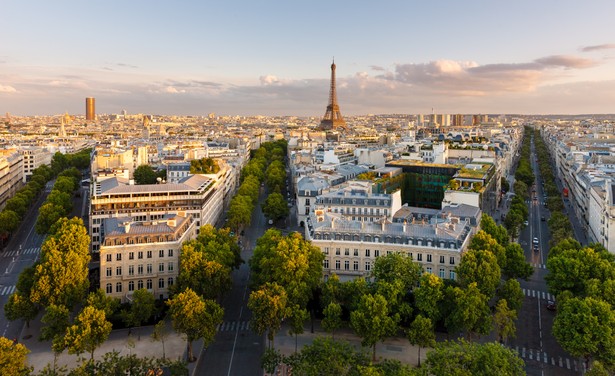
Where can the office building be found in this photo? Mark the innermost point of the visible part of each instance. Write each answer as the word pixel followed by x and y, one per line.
pixel 90 109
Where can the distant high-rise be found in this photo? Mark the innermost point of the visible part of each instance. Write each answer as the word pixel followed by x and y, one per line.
pixel 90 109
pixel 333 117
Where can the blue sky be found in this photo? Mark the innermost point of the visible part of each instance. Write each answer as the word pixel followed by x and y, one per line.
pixel 272 57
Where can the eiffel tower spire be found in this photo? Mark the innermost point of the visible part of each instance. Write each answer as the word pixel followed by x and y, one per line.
pixel 333 117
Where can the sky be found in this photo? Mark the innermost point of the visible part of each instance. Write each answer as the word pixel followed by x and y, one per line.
pixel 246 57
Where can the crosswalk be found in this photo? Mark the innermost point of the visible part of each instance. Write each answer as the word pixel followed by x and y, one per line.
pixel 7 290
pixel 543 203
pixel 539 266
pixel 231 326
pixel 538 294
pixel 17 252
pixel 543 357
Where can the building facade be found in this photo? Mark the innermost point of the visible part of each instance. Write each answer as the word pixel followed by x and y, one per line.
pixel 11 175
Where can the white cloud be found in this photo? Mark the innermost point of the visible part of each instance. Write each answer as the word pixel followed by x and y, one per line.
pixel 7 89
pixel 173 90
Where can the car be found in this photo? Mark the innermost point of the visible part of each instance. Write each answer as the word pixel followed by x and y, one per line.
pixel 550 305
pixel 543 218
pixel 526 223
pixel 270 221
pixel 535 241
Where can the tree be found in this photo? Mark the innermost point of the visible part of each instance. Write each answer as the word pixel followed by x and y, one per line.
pixel 464 358
pixel 91 329
pixel 13 358
pixel 240 212
pixel 421 334
pixel 141 309
pixel 471 312
pixel 371 321
pixel 480 267
pixel 297 316
pixel 17 204
pixel 269 306
pixel 60 199
pixel 57 319
pixel 395 267
pixel 65 184
pixel 99 300
pixel 498 233
pixel 482 241
pixel 510 290
pixel 220 246
pixel 327 357
pixel 428 296
pixel 20 307
pixel 145 174
pixel 585 327
pixel 61 277
pixel 332 319
pixel 160 333
pixel 516 266
pixel 504 321
pixel 275 207
pixel 195 317
pixel 209 279
pixel 9 221
pixel 48 214
pixel 59 162
pixel 204 166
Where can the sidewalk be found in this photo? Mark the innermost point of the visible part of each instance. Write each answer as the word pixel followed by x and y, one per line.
pixel 139 343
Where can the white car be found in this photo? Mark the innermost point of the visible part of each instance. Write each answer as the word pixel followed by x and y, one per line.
pixel 526 223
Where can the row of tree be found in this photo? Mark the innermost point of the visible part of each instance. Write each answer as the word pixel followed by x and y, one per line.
pixel 518 212
pixel 59 201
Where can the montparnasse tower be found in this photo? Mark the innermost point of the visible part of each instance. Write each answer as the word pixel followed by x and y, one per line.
pixel 333 117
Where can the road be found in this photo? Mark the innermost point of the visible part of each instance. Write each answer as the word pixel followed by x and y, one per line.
pixel 535 342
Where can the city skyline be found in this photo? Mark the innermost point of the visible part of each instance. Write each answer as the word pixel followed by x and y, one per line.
pixel 271 58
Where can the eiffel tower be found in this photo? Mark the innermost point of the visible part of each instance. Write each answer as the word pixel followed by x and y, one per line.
pixel 333 117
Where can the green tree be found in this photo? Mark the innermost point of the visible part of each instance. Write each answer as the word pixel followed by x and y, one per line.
pixel 13 358
pixel 464 358
pixel 195 317
pixel 480 267
pixel 498 233
pixel 20 307
pixel 141 308
pixel 220 246
pixel 395 267
pixel 332 319
pixel 471 311
pixel 18 205
pixel 429 295
pixel 48 214
pixel 504 321
pixel 516 266
pixel 57 320
pixel 275 207
pixel 327 357
pixel 371 321
pixel 145 174
pixel 298 316
pixel 421 333
pixel 9 221
pixel 59 162
pixel 482 241
pixel 99 300
pixel 65 184
pixel 60 199
pixel 510 290
pixel 209 279
pixel 204 166
pixel 269 306
pixel 61 276
pixel 160 333
pixel 240 212
pixel 586 327
pixel 91 329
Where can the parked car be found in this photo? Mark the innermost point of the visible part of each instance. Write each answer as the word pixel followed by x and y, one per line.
pixel 543 218
pixel 550 305
pixel 526 223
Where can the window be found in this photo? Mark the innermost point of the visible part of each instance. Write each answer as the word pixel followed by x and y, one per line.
pixel 161 283
pixel 368 266
pixel 170 253
pixel 451 275
pixel 325 264
pixel 161 253
pixel 376 253
pixel 356 251
pixel 140 255
pixel 419 257
pixel 337 251
pixel 118 270
pixel 131 270
pixel 170 281
pixel 170 267
pixel 149 284
pixel 161 267
pixel 441 273
pixel 118 287
pixel 452 260
pixel 109 272
pixel 367 253
pixel 346 265
pixel 140 269
pixel 109 257
pixel 355 265
pixel 337 264
pixel 109 288
pixel 131 286
pixel 140 284
pixel 428 257
pixel 347 252
pixel 149 254
pixel 429 270
pixel 441 259
pixel 131 255
pixel 118 257
pixel 149 268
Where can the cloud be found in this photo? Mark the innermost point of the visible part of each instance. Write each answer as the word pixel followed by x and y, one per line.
pixel 566 61
pixel 598 47
pixel 376 68
pixel 126 65
pixel 173 90
pixel 269 80
pixel 7 89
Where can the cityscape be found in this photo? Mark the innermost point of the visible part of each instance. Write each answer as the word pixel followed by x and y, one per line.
pixel 359 214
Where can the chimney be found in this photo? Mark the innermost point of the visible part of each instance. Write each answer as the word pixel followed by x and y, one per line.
pixel 126 227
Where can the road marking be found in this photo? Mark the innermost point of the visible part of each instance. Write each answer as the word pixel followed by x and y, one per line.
pixel 531 354
pixel 523 353
pixel 552 361
pixel 567 363
pixel 545 358
pixel 575 365
pixel 561 363
pixel 7 290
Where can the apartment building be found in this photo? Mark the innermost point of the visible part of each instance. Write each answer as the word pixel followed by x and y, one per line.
pixel 11 174
pixel 33 157
pixel 142 254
